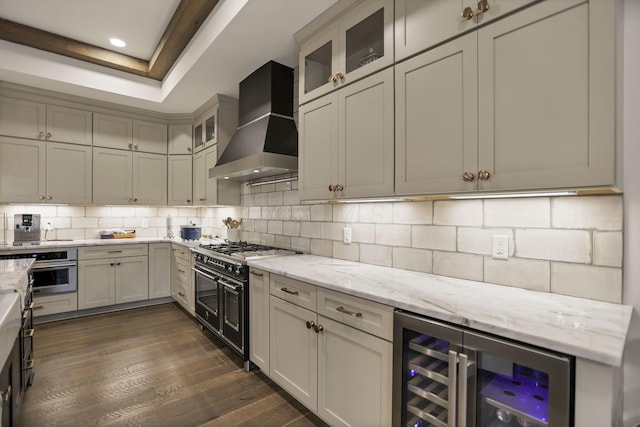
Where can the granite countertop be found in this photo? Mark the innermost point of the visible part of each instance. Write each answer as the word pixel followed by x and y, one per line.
pixel 580 327
pixel 94 242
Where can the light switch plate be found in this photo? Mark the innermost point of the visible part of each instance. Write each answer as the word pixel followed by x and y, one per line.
pixel 500 247
pixel 347 235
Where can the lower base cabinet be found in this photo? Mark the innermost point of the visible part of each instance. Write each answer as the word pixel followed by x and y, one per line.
pixel 159 270
pixel 44 305
pixel 330 351
pixel 182 278
pixel 10 387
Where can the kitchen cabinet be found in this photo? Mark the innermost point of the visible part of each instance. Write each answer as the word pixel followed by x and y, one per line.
pixel 125 177
pixel 211 191
pixel 347 141
pixel 44 172
pixel 332 352
pixel 180 139
pixel 64 302
pixel 124 133
pixel 10 387
pixel 216 124
pixel 544 119
pixel 182 278
pixel 420 25
pixel 180 176
pixel 356 44
pixel 27 119
pixel 259 318
pixel 159 270
pixel 110 275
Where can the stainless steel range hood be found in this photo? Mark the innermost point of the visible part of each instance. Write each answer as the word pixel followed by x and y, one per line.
pixel 266 142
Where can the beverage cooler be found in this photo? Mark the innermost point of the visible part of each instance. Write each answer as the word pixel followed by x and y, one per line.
pixel 449 376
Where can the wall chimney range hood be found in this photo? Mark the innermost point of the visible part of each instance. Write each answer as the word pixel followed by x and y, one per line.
pixel 266 142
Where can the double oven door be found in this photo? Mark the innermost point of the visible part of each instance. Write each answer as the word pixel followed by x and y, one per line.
pixel 220 306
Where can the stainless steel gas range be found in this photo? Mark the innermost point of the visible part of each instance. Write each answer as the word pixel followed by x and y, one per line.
pixel 222 289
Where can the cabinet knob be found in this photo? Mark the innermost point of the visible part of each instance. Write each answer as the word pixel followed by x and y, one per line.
pixel 339 76
pixel 311 324
pixel 135 200
pixel 188 201
pixel 135 146
pixel 484 175
pixel 41 197
pixel 467 13
pixel 468 176
pixel 483 6
pixel 49 197
pixel 318 329
pixel 331 79
pixel 339 187
pixel 189 149
pixel 112 264
pixel 130 146
pixel 41 134
pixel 49 135
pixel 332 188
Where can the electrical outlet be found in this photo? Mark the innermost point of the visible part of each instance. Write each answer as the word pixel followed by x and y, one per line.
pixel 347 235
pixel 145 223
pixel 500 247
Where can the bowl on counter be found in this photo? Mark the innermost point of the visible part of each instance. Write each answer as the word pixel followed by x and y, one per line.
pixel 190 232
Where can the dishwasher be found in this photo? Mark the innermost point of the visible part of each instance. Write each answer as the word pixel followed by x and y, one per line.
pixel 446 375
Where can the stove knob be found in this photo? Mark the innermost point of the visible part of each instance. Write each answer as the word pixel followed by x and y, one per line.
pixel 230 268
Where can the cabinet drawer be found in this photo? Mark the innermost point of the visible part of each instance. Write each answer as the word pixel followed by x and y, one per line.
pixel 57 303
pixel 183 272
pixel 180 295
pixel 300 293
pixel 181 253
pixel 112 251
pixel 368 316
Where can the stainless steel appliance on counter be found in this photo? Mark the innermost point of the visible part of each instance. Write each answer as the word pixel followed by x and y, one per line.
pixel 54 270
pixel 26 229
pixel 450 376
pixel 222 290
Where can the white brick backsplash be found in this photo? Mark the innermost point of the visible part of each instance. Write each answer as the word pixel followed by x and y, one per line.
pixel 275 199
pixel 261 199
pixel 84 222
pixel 110 222
pixel 591 212
pixel 554 245
pixel 190 213
pixel 268 239
pixel 72 211
pixel 393 234
pixel 57 222
pixel 321 212
pixel 433 237
pixel 71 233
pixel 42 210
pixel 147 232
pixel 283 186
pixel 376 254
pixel 607 248
pixel 301 213
pixel 301 244
pixel 274 227
pixel 123 211
pixel 462 266
pixel 480 240
pixel 332 230
pixel 102 211
pixel 521 273
pixel 413 213
pixel 158 221
pixel 291 198
pixel 311 229
pixel 283 212
pixel 586 281
pixel 458 212
pixel 267 188
pixel 268 212
pixel 321 247
pixel 255 212
pixel 291 228
pixel 133 222
pixel 534 212
pixel 349 252
pixel 147 211
pixel 260 225
pixel 363 233
pixel 247 200
pixel 378 213
pixel 346 212
pixel 282 242
pixel 161 212
pixel 413 259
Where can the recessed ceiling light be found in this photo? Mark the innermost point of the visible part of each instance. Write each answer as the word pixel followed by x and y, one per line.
pixel 117 42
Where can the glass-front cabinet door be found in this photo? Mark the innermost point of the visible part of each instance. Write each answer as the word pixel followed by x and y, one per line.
pixel 357 44
pixel 205 131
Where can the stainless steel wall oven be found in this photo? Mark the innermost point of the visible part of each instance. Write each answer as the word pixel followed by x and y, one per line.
pixel 54 270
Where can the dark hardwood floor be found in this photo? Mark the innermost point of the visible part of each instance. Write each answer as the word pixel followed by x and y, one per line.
pixel 150 366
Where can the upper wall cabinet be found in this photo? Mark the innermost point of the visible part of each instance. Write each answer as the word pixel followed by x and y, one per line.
pixel 127 134
pixel 216 125
pixel 357 44
pixel 524 103
pixel 181 139
pixel 420 25
pixel 28 119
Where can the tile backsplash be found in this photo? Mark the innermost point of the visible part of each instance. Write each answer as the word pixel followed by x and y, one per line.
pixel 566 245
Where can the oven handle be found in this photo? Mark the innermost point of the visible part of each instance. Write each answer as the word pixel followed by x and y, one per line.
pixel 233 289
pixel 205 274
pixel 53 266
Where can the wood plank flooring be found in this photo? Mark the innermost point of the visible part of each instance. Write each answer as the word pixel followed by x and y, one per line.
pixel 149 366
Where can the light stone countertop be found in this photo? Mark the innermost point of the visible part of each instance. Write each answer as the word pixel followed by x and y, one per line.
pixel 580 327
pixel 14 279
pixel 94 242
pixel 14 276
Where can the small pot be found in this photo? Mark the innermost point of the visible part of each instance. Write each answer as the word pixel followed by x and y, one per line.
pixel 190 232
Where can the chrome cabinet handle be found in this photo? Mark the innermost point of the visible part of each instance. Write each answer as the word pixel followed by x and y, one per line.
pixel 349 312
pixel 462 395
pixel 287 291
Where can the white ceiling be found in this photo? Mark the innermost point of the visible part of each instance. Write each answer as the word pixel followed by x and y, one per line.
pixel 238 37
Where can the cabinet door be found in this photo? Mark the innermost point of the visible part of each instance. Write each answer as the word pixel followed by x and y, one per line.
pixel 25 119
pixel 199 179
pixel 22 170
pixel 318 64
pixel 546 91
pixel 211 184
pixel 180 180
pixel 69 125
pixel 112 176
pixel 180 139
pixel 55 303
pixel 436 119
pixel 318 156
pixel 159 270
pixel 259 318
pixel 366 140
pixel 96 283
pixel 354 376
pixel 132 279
pixel 149 137
pixel 69 173
pixel 112 131
pixel 149 179
pixel 293 351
